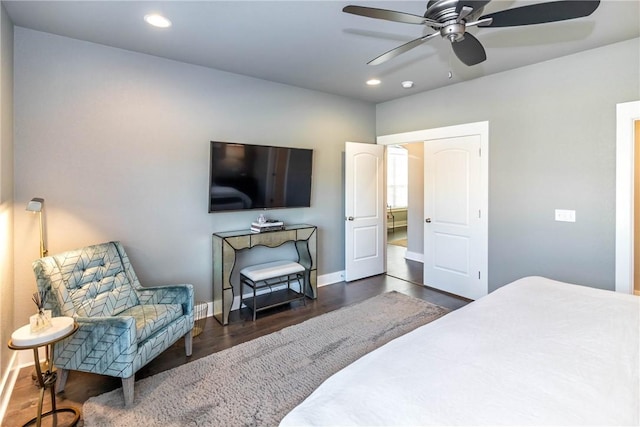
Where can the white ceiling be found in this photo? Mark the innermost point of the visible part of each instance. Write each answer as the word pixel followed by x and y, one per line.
pixel 314 45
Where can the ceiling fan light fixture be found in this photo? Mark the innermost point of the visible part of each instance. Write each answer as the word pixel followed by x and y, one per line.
pixel 156 20
pixel 373 82
pixel 407 84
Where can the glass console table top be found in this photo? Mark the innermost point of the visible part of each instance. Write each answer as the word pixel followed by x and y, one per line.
pixel 247 232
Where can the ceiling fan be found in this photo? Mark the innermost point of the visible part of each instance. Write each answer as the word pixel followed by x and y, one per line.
pixel 451 18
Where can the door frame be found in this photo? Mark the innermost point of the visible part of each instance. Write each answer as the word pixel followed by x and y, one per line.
pixel 482 130
pixel 626 114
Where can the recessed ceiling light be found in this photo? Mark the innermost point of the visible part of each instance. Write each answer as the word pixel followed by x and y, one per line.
pixel 407 84
pixel 373 82
pixel 157 21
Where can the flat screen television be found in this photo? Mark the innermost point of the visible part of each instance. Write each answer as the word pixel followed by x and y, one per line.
pixel 245 176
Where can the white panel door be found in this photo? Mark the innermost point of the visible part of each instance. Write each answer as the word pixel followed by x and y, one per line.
pixel 453 249
pixel 364 210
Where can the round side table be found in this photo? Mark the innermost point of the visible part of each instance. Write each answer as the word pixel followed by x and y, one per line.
pixel 24 339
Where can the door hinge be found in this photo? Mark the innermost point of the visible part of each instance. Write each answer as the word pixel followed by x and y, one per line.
pixel 480 152
pixel 478 275
pixel 479 213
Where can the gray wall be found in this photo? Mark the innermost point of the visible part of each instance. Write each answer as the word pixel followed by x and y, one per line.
pixel 6 188
pixel 117 143
pixel 552 146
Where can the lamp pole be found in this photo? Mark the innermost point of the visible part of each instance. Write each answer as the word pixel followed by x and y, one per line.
pixel 36 205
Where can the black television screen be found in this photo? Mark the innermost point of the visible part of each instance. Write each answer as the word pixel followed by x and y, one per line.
pixel 245 176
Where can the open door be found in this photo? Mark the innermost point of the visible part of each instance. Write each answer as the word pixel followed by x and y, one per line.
pixel 364 211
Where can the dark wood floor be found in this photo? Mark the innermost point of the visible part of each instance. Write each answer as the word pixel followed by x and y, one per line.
pixel 80 386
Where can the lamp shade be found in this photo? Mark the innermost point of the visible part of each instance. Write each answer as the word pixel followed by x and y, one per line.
pixel 35 204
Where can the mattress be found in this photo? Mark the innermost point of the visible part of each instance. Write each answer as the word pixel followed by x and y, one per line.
pixel 534 352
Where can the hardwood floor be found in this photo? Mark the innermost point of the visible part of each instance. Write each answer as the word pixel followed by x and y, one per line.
pixel 80 386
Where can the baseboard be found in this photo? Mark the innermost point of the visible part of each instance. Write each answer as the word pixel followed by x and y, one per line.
pixel 414 256
pixel 331 278
pixel 8 382
pixel 398 224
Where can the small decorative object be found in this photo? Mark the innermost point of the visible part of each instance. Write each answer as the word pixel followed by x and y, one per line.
pixel 261 219
pixel 42 319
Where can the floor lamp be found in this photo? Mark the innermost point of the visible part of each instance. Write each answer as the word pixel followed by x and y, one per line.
pixel 35 205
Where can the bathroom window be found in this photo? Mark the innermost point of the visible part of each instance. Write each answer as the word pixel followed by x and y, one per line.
pixel 397 176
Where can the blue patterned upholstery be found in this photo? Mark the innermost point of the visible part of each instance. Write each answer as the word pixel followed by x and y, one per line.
pixel 122 326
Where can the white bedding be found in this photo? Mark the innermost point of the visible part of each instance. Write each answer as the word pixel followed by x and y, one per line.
pixel 534 352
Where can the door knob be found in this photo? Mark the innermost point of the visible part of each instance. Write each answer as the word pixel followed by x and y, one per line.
pixel 350 218
pixel 427 220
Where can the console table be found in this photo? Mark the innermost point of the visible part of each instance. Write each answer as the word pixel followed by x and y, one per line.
pixel 227 244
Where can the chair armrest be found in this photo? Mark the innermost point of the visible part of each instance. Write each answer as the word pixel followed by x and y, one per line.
pixel 172 294
pixel 108 325
pixel 102 345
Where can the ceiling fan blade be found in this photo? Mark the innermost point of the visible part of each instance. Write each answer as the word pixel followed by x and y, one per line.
pixel 389 15
pixel 542 13
pixel 401 49
pixel 473 4
pixel 469 50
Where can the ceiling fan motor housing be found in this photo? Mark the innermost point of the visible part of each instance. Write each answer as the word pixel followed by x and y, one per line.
pixel 444 11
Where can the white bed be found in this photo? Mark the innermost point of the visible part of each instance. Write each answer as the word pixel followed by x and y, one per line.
pixel 534 352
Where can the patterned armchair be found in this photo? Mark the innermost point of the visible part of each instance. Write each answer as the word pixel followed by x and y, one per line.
pixel 122 325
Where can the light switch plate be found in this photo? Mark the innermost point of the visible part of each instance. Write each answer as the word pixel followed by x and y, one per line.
pixel 565 215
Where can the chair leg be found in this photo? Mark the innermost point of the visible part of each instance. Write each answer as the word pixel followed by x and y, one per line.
pixel 61 381
pixel 188 342
pixel 127 389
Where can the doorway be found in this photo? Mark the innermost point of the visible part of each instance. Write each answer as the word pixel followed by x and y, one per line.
pixel 404 211
pixel 420 138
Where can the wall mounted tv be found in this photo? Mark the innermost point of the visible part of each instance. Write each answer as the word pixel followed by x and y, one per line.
pixel 245 176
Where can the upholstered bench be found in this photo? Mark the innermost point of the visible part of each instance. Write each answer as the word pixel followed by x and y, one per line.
pixel 270 274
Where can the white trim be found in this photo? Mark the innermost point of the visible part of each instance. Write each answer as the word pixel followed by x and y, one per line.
pixel 414 256
pixel 8 382
pixel 331 278
pixel 626 115
pixel 477 128
pixel 482 130
pixel 399 224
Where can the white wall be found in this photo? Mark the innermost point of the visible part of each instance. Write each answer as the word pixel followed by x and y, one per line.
pixel 552 146
pixel 415 214
pixel 117 143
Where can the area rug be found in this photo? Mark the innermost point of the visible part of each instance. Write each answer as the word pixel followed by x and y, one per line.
pixel 399 242
pixel 258 382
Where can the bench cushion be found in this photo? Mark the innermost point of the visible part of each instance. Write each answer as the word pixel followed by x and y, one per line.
pixel 270 270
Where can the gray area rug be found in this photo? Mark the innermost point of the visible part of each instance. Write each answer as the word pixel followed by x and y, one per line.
pixel 258 382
